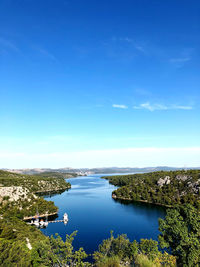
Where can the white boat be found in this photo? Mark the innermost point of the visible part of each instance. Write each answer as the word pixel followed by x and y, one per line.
pixel 45 224
pixel 41 223
pixel 46 221
pixel 37 223
pixel 65 217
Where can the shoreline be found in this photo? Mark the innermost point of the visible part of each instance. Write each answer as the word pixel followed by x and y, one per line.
pixel 42 192
pixel 39 216
pixel 143 201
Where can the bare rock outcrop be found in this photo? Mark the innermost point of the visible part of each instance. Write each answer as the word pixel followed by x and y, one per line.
pixel 164 181
pixel 14 193
pixel 182 177
pixel 195 186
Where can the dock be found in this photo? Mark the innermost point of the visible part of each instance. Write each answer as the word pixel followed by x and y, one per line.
pixel 41 223
pixel 39 216
pixel 57 221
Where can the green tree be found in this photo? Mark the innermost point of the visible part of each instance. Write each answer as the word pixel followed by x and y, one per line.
pixel 63 253
pixel 149 248
pixel 119 247
pixel 180 231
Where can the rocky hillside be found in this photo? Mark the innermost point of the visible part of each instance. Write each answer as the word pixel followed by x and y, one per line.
pixel 13 193
pixel 13 184
pixel 164 188
pixel 19 193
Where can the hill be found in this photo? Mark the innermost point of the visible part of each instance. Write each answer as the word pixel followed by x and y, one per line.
pixel 163 188
pixel 86 171
pixel 56 175
pixel 19 193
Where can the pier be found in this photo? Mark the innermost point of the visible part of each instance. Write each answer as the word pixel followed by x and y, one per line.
pixel 57 221
pixel 39 216
pixel 41 223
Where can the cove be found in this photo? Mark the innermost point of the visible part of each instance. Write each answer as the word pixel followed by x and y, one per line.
pixel 93 213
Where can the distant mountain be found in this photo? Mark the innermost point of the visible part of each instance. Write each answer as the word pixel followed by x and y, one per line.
pixel 87 171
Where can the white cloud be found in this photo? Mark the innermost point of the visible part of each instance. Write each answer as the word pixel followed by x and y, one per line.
pixel 182 107
pixel 133 43
pixel 142 92
pixel 45 53
pixel 153 107
pixel 140 48
pixel 8 45
pixel 119 106
pixel 180 60
pixel 126 39
pixel 132 157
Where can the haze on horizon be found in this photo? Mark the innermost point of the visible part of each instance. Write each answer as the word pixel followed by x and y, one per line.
pixel 99 83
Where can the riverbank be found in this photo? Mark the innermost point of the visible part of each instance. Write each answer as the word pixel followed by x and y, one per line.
pixel 140 201
pixel 52 191
pixel 40 216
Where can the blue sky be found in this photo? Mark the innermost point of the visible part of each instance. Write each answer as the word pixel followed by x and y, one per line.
pixel 94 78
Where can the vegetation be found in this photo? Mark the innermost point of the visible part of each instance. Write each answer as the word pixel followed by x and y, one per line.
pixel 22 209
pixel 164 188
pixel 56 175
pixel 24 245
pixel 120 252
pixel 34 183
pixel 19 193
pixel 180 229
pixel 14 234
pixel 181 233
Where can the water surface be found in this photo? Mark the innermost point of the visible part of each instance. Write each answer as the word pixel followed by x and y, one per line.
pixel 93 212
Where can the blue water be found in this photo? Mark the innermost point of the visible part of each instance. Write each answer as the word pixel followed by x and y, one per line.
pixel 93 212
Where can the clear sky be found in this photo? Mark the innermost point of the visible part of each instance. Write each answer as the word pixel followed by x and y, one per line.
pixel 90 83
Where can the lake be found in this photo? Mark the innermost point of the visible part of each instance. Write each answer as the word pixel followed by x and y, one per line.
pixel 93 212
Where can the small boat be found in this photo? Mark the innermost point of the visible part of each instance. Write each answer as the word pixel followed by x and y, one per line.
pixel 65 218
pixel 37 223
pixel 41 223
pixel 45 224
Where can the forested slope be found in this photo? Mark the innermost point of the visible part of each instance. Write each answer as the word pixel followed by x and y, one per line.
pixel 18 193
pixel 33 183
pixel 164 188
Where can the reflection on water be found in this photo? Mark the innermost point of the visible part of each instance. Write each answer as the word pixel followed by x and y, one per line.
pixel 93 212
pixel 51 194
pixel 141 209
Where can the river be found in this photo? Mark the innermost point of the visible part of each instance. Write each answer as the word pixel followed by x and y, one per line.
pixel 93 212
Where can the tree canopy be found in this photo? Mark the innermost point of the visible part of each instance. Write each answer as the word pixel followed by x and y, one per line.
pixel 180 231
